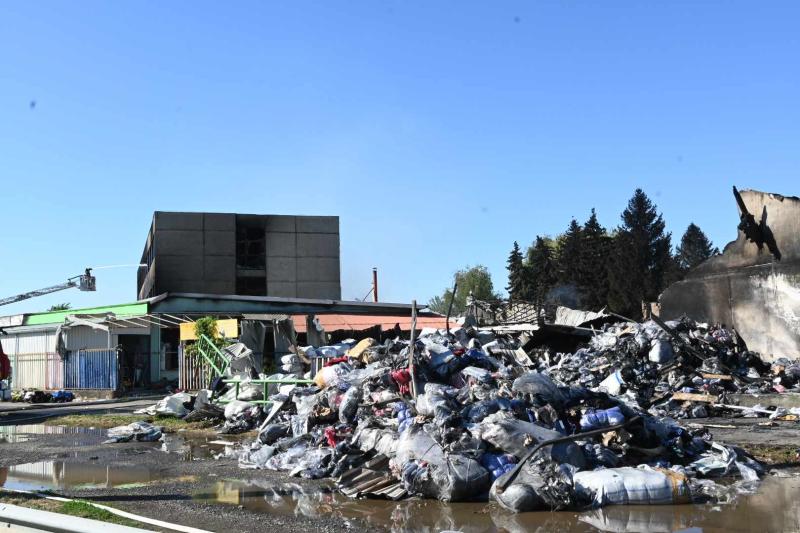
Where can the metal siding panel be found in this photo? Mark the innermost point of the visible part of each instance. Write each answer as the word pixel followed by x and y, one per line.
pixel 86 338
pixel 9 343
pixel 55 372
pixel 36 342
pixel 30 371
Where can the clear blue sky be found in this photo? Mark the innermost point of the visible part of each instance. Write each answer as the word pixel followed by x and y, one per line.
pixel 439 132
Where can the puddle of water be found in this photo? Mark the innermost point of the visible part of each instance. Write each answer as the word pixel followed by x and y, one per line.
pixel 191 447
pixel 54 475
pixel 188 446
pixel 80 436
pixel 772 508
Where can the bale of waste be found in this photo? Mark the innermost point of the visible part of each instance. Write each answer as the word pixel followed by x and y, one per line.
pixel 632 486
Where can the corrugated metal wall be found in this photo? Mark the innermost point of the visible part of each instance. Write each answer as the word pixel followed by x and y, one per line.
pixel 29 371
pixel 36 365
pixel 86 338
pixel 91 369
pixel 41 341
pixel 55 371
pixel 9 343
pixel 38 371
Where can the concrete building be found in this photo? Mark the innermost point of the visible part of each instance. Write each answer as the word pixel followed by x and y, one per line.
pixel 253 255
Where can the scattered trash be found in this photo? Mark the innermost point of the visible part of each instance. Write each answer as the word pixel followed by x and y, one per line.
pixel 173 405
pixel 138 431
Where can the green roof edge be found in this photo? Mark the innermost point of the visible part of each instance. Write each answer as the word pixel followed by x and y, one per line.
pixel 56 317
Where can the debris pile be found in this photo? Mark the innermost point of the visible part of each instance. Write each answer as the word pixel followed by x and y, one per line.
pixel 680 369
pixel 468 421
pixel 477 414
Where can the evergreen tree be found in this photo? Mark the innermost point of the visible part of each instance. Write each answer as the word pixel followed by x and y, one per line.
pixel 695 248
pixel 569 252
pixel 593 267
pixel 640 257
pixel 541 270
pixel 516 274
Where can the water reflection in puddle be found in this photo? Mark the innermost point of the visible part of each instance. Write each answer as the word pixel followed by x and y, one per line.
pixel 54 475
pixel 193 447
pixel 80 436
pixel 188 446
pixel 771 509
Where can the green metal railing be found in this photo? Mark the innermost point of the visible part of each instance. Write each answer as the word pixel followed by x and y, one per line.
pixel 215 359
pixel 212 355
pixel 264 383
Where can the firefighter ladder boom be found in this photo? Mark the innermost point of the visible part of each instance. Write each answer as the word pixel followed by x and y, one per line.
pixel 85 282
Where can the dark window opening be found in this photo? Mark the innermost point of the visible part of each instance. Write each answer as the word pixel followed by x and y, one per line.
pixel 251 247
pixel 251 286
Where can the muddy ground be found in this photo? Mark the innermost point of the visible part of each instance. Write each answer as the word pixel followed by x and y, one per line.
pixel 186 484
pixel 175 483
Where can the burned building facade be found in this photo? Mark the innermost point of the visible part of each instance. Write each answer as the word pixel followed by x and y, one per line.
pixel 754 285
pixel 252 255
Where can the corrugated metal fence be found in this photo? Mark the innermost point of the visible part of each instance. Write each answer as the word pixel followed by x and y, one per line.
pixel 30 371
pixel 91 369
pixel 193 372
pixel 38 371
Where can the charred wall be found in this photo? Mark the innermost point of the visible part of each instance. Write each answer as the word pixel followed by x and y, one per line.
pixel 748 288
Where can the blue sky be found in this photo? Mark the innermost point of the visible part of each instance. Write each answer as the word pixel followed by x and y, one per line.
pixel 439 132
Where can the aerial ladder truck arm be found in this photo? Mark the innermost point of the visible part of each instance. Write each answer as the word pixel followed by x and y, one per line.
pixel 84 282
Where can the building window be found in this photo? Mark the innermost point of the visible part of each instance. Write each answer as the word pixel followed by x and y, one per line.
pixel 251 247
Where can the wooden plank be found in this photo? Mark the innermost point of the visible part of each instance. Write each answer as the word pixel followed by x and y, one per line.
pixel 725 377
pixel 692 397
pixel 411 358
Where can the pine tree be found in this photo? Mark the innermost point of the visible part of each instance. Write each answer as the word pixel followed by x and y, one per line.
pixel 516 274
pixel 541 270
pixel 593 267
pixel 569 251
pixel 695 248
pixel 640 257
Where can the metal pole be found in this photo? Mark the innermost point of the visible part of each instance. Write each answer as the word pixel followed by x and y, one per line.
pixel 450 307
pixel 374 284
pixel 411 349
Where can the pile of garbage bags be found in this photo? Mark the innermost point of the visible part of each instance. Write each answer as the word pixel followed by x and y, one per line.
pixel 457 417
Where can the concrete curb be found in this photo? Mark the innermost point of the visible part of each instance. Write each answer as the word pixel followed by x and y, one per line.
pixel 36 520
